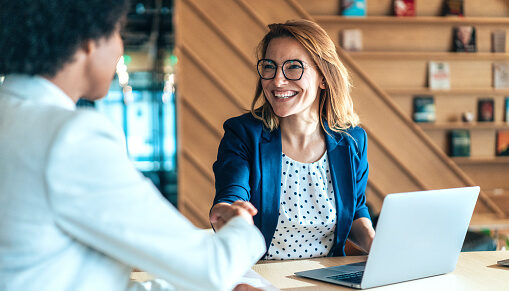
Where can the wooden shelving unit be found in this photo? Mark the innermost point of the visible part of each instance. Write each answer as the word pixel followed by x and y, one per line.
pixel 412 20
pixel 481 160
pixel 450 92
pixel 431 56
pixel 463 125
pixel 396 51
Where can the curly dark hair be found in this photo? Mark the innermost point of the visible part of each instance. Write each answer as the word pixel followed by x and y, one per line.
pixel 38 37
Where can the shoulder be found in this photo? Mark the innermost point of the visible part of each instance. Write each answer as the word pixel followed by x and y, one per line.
pixel 245 124
pixel 85 126
pixel 354 137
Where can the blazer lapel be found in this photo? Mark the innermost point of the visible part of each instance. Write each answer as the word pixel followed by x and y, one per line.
pixel 341 174
pixel 270 152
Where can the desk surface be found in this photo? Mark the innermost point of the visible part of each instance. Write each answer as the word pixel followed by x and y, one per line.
pixel 475 271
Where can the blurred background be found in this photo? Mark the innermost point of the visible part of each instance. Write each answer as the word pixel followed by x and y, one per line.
pixel 141 99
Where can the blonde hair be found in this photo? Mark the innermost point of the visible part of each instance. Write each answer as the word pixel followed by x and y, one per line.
pixel 335 104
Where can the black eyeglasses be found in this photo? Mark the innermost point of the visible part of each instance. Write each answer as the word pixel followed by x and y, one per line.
pixel 292 69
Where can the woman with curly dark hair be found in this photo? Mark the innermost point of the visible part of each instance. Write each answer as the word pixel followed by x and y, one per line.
pixel 74 212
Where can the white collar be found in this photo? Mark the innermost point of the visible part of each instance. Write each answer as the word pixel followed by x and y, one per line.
pixel 36 89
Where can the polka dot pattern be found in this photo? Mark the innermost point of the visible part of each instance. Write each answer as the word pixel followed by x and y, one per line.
pixel 307 211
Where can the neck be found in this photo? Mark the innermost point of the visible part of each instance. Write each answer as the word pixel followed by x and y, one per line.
pixel 70 79
pixel 299 131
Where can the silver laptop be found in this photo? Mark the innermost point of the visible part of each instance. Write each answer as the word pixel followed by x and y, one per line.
pixel 419 234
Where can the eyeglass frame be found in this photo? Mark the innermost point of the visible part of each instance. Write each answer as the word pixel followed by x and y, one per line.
pixel 304 65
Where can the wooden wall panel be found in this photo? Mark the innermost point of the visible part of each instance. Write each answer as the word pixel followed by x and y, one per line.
pixel 227 65
pixel 386 170
pixel 270 11
pixel 397 136
pixel 204 96
pixel 235 25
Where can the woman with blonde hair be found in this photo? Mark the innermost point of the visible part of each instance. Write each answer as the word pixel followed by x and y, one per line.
pixel 299 157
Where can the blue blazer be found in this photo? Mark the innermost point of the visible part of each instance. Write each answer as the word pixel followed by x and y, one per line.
pixel 248 168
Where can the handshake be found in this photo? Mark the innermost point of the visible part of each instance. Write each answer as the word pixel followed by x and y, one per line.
pixel 221 213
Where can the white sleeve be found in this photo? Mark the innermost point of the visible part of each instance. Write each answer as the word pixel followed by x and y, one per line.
pixel 99 198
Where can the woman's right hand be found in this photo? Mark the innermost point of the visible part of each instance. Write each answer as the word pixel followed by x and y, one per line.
pixel 221 213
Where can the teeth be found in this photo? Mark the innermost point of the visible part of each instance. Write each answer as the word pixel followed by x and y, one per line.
pixel 285 95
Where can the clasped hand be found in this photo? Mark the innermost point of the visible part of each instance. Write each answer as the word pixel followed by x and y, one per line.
pixel 221 213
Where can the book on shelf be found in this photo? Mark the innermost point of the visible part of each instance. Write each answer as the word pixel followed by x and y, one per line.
pixel 353 7
pixel 498 41
pixel 502 143
pixel 351 39
pixel 500 75
pixel 459 143
pixel 464 39
pixel 404 7
pixel 439 75
pixel 424 108
pixel 506 107
pixel 486 109
pixel 453 7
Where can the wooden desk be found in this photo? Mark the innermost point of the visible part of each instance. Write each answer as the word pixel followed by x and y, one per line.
pixel 475 271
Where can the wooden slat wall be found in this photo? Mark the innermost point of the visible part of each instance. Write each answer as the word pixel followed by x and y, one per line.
pixel 215 44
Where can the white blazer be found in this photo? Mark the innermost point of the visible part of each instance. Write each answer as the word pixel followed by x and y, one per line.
pixel 76 215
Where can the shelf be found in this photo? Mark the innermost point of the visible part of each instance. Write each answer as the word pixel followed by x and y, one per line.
pixel 411 20
pixel 450 92
pixel 438 56
pixel 463 125
pixel 480 160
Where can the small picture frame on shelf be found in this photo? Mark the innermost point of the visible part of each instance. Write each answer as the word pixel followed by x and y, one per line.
pixel 351 39
pixel 424 108
pixel 464 39
pixel 498 41
pixel 502 143
pixel 404 7
pixel 439 76
pixel 453 8
pixel 353 8
pixel 486 110
pixel 459 143
pixel 500 75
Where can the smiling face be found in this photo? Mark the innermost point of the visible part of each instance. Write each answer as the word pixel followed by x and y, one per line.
pixel 292 98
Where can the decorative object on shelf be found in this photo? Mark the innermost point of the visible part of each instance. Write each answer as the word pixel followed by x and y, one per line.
pixel 506 109
pixel 498 41
pixel 453 7
pixel 464 39
pixel 467 116
pixel 404 7
pixel 424 108
pixel 439 75
pixel 351 39
pixel 486 109
pixel 502 143
pixel 459 143
pixel 500 75
pixel 353 7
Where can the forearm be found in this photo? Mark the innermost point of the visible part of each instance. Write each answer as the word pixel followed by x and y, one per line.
pixel 362 233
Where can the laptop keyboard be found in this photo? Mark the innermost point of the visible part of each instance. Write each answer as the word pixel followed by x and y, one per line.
pixel 355 277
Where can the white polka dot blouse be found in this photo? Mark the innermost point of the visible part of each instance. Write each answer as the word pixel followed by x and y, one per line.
pixel 307 211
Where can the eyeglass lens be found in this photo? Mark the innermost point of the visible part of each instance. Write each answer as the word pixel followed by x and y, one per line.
pixel 292 69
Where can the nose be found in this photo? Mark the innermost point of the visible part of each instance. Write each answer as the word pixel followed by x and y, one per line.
pixel 280 78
